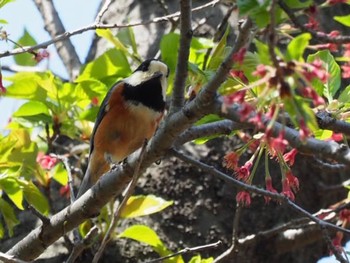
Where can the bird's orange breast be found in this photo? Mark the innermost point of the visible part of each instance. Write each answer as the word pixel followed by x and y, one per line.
pixel 124 127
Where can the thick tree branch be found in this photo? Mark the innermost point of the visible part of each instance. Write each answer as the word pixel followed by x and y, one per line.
pixel 178 96
pixel 224 127
pixel 311 146
pixel 54 27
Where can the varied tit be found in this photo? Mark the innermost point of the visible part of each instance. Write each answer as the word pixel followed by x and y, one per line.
pixel 129 114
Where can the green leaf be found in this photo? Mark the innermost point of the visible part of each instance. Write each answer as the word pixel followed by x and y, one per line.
pixel 144 234
pixel 26 59
pixel 5 2
pixel 323 134
pixel 9 216
pixel 3 21
pixel 345 20
pixel 263 52
pixel 113 63
pixel 108 35
pixel 199 259
pixel 345 95
pixel 169 46
pixel 144 205
pixel 218 52
pixel 34 111
pixel 12 188
pixel 2 231
pixel 59 174
pixel 296 47
pixel 25 85
pixel 127 36
pixel 257 10
pixel 35 198
pixel 332 85
pixel 298 4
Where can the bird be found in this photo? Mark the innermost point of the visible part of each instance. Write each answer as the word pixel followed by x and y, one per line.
pixel 130 113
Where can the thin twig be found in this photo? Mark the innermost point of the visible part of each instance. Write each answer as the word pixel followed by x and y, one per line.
pixel 332 248
pixel 103 10
pixel 235 241
pixel 186 250
pixel 45 220
pixel 94 26
pixel 65 162
pixel 83 244
pixel 117 213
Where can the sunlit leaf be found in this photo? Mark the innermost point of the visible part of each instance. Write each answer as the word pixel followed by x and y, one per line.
pixel 59 174
pixel 112 63
pixel 12 188
pixel 218 52
pixel 144 234
pixel 345 20
pixel 34 111
pixel 25 86
pixel 9 216
pixel 144 205
pixel 5 2
pixel 35 198
pixel 297 3
pixel 323 134
pixel 25 59
pixel 332 85
pixel 296 47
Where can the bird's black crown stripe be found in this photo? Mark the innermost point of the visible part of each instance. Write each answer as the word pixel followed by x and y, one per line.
pixel 149 93
pixel 144 66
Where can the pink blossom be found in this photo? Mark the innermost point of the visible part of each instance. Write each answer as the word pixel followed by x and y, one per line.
pixel 292 181
pixel 243 198
pixel 65 191
pixel 278 145
pixel 236 97
pixel 42 54
pixel 289 157
pixel 286 191
pixel 46 161
pixel 2 88
pixel 231 161
pixel 94 101
pixel 260 71
pixel 345 71
pixel 304 131
pixel 239 56
pixel 257 120
pixel 311 93
pixel 239 74
pixel 269 187
pixel 245 111
pixel 243 172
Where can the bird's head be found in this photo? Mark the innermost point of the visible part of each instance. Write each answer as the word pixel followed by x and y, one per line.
pixel 150 69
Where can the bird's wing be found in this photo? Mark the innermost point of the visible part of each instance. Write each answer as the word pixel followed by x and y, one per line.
pixel 102 112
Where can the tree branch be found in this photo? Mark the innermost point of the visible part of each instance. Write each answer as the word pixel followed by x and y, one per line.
pixel 311 146
pixel 224 127
pixel 54 27
pixel 178 96
pixel 66 35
